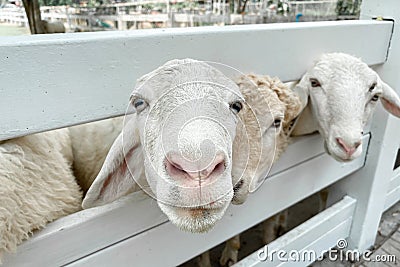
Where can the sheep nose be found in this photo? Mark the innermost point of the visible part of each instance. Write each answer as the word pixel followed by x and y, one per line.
pixel 180 168
pixel 349 149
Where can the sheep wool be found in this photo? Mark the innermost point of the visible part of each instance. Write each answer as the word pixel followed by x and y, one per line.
pixel 37 185
pixel 90 145
pixel 286 100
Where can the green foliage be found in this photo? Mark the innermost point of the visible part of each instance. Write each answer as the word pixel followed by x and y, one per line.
pixel 186 5
pixel 55 2
pixel 348 7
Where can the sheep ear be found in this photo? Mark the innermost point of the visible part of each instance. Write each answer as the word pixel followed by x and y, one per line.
pixel 115 179
pixel 301 90
pixel 390 100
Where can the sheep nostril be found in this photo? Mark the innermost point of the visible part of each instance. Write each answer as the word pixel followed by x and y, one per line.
pixel 342 144
pixel 173 169
pixel 357 144
pixel 217 167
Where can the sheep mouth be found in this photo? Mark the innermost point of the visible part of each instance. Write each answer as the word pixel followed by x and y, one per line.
pixel 237 186
pixel 196 219
pixel 200 211
pixel 335 156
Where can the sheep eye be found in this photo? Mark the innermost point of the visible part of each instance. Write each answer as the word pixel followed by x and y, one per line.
pixel 277 123
pixel 314 82
pixel 372 87
pixel 139 104
pixel 375 98
pixel 236 106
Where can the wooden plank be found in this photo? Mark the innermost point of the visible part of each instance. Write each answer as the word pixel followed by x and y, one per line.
pixel 317 235
pixel 302 149
pixel 393 195
pixel 51 81
pixel 141 251
pixel 394 182
pixel 84 232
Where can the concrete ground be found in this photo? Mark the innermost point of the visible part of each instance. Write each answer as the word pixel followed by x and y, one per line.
pixel 387 240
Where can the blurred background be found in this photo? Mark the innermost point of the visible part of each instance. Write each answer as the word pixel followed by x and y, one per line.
pixel 55 16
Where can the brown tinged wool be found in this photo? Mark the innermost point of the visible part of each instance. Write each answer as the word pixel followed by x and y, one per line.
pixel 263 95
pixel 286 101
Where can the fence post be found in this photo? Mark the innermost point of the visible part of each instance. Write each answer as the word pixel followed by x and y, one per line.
pixel 370 185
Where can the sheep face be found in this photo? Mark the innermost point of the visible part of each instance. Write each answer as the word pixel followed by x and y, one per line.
pixel 192 125
pixel 254 148
pixel 344 92
pixel 183 119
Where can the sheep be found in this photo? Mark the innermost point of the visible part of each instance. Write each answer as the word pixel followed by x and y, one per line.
pixel 186 105
pixel 339 94
pixel 342 92
pixel 268 103
pixel 36 185
pixel 284 106
pixel 53 27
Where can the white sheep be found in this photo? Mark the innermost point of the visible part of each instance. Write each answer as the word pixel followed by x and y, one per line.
pixel 282 108
pixel 177 143
pixel 36 185
pixel 340 93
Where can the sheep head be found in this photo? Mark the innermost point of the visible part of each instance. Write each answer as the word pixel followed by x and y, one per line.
pixel 263 130
pixel 178 133
pixel 343 92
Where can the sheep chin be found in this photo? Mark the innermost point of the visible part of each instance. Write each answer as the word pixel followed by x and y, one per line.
pixel 194 220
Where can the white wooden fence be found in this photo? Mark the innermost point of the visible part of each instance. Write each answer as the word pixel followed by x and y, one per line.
pixel 59 80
